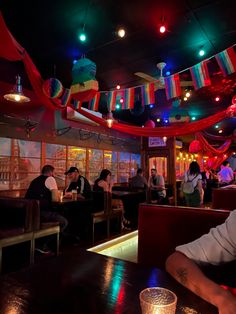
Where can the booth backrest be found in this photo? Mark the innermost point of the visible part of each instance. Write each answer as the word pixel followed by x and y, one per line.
pixel 161 228
pixel 224 198
pixel 16 212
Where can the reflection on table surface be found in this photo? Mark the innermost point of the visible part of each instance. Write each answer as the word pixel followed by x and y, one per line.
pixel 85 282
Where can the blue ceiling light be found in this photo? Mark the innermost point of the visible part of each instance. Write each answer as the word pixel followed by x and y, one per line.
pixel 167 73
pixel 75 61
pixel 166 120
pixel 217 126
pixel 193 118
pixel 118 106
pixel 151 106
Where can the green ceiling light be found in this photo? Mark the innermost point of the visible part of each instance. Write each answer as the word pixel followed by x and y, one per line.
pixel 201 52
pixel 82 37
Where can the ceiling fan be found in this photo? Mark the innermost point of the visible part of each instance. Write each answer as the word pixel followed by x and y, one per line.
pixel 24 124
pixel 160 81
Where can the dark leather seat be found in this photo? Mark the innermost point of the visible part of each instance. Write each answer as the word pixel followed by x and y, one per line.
pixel 161 228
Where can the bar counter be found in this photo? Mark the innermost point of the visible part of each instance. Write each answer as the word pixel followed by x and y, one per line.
pixel 85 282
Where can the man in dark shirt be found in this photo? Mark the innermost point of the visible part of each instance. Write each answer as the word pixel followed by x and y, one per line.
pixel 78 183
pixel 44 188
pixel 138 182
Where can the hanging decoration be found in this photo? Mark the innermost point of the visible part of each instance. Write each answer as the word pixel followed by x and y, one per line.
pixel 234 100
pixel 200 75
pixel 227 61
pixel 52 88
pixel 172 86
pixel 149 124
pixel 168 131
pixel 147 92
pixel 84 85
pixel 195 147
pixel 94 102
pixel 11 50
pixel 209 148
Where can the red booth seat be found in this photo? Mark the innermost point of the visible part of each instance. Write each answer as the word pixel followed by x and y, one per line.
pixel 161 228
pixel 224 198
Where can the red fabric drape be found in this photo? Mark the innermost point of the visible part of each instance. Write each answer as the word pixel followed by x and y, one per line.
pixel 219 137
pixel 11 50
pixel 168 131
pixel 209 148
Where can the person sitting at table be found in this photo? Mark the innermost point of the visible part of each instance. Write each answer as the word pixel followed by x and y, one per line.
pixel 218 247
pixel 103 183
pixel 138 182
pixel 78 183
pixel 44 188
pixel 156 183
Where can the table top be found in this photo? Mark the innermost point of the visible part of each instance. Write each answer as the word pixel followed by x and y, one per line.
pixel 85 282
pixel 123 193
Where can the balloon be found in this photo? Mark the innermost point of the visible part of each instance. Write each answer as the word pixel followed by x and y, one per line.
pixel 149 124
pixel 52 88
pixel 234 100
pixel 195 147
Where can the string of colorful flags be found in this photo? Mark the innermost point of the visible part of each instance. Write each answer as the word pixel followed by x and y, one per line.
pixel 200 75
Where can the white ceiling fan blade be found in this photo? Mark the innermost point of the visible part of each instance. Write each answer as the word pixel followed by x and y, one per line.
pixel 145 76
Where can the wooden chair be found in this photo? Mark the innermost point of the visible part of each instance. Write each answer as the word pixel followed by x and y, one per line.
pixel 15 224
pixel 43 229
pixel 103 211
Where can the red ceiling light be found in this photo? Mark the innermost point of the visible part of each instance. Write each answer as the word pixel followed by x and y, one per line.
pixel 217 98
pixel 121 100
pixel 118 86
pixel 162 29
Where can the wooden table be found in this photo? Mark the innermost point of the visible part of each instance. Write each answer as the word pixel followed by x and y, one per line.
pixel 85 282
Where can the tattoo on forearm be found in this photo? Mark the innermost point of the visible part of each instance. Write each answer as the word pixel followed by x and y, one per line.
pixel 182 275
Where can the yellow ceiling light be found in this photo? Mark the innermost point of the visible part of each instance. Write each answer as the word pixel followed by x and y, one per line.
pixel 17 94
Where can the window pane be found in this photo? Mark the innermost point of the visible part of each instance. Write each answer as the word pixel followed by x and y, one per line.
pixel 95 155
pixel 77 153
pixel 26 164
pixel 5 146
pixel 23 148
pixel 59 172
pixel 22 180
pixel 55 151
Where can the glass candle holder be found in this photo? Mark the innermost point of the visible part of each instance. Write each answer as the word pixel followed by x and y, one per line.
pixel 157 300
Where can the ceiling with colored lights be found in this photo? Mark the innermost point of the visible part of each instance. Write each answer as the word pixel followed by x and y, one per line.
pixel 50 30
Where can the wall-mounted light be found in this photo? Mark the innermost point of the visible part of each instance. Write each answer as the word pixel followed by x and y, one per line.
pixel 110 119
pixel 17 94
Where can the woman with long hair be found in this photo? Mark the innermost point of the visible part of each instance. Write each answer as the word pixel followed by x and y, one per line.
pixel 103 183
pixel 194 177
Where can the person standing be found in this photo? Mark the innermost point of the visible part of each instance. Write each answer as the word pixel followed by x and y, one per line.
pixel 193 176
pixel 78 183
pixel 156 183
pixel 226 174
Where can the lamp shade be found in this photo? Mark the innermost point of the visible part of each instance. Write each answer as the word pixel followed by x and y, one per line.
pixel 16 94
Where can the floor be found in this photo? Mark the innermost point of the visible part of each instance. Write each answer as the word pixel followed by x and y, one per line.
pixel 124 247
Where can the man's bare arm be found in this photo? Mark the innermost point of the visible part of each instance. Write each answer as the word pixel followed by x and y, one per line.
pixel 187 272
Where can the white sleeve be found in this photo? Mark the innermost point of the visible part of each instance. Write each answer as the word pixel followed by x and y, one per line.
pixel 51 183
pixel 216 247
